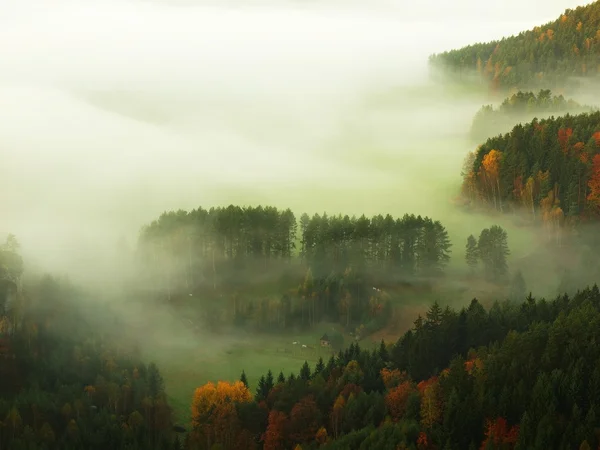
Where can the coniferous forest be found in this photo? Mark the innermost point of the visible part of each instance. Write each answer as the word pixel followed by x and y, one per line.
pixel 391 354
pixel 550 55
pixel 520 107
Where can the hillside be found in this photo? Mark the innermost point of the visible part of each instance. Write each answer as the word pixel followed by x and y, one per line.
pixel 69 376
pixel 457 380
pixel 518 108
pixel 548 169
pixel 546 55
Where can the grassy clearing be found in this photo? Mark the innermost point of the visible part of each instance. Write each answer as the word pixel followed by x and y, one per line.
pixel 184 369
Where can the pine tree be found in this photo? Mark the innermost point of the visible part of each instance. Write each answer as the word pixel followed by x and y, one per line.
pixel 320 366
pixel 281 378
pixel 471 254
pixel 305 371
pixel 260 389
pixel 269 383
pixel 243 378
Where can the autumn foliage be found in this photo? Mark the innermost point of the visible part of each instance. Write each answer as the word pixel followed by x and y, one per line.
pixel 500 435
pixel 544 168
pixel 431 404
pixel 392 378
pixel 564 134
pixel 214 414
pixel 397 398
pixel 275 436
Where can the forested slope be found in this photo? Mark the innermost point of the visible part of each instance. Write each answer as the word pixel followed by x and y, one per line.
pixel 69 376
pixel 518 376
pixel 546 55
pixel 549 169
pixel 518 108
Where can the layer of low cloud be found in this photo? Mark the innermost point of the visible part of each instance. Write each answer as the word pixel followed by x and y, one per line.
pixel 113 111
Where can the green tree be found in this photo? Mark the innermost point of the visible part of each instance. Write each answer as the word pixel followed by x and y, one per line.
pixel 305 371
pixel 471 254
pixel 492 248
pixel 243 378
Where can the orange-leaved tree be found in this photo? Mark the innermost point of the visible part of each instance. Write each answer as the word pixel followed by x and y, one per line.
pixel 499 435
pixel 214 416
pixel 275 436
pixel 397 399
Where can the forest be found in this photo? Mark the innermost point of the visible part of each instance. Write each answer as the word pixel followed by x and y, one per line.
pixel 374 313
pixel 520 107
pixel 68 380
pixel 515 376
pixel 325 266
pixel 551 55
pixel 546 168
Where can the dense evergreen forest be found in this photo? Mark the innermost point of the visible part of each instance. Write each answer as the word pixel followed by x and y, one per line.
pixel 520 107
pixel 517 376
pixel 69 377
pixel 547 55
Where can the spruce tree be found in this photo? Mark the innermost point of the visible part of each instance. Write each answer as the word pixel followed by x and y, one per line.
pixel 243 378
pixel 260 389
pixel 320 366
pixel 281 378
pixel 269 383
pixel 305 371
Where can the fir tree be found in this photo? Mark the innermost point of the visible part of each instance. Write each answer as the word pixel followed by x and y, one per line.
pixel 243 378
pixel 281 378
pixel 269 383
pixel 305 371
pixel 320 366
pixel 260 389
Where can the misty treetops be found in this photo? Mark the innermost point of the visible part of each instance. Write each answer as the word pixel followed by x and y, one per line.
pixel 233 236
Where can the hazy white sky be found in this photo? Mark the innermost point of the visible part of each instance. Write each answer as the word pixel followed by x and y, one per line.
pixel 113 111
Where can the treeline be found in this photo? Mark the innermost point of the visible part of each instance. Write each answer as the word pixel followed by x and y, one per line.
pixel 404 246
pixel 186 249
pixel 214 246
pixel 548 54
pixel 548 168
pixel 519 107
pixel 66 385
pixel 517 376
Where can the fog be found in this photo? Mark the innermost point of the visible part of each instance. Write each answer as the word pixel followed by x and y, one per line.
pixel 114 111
